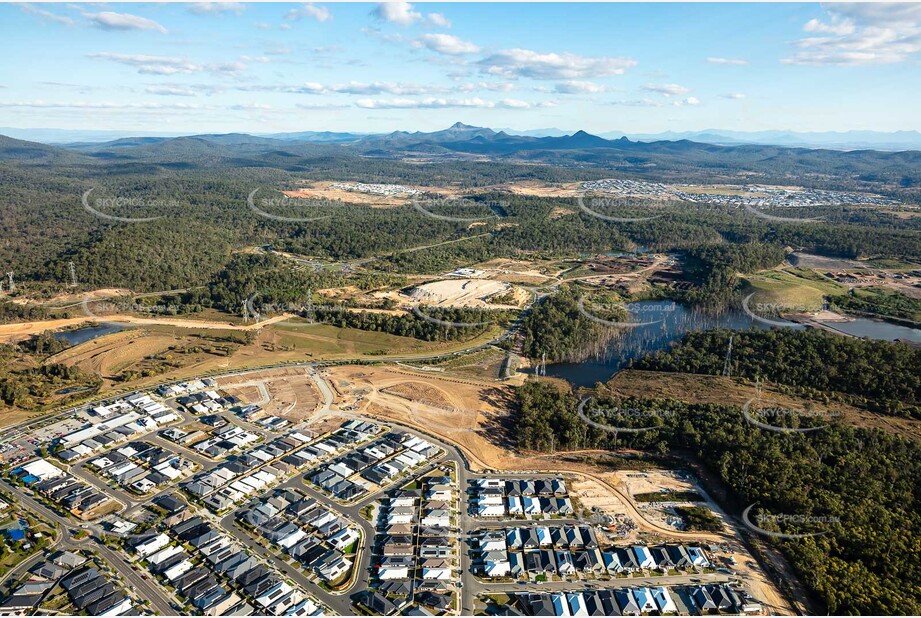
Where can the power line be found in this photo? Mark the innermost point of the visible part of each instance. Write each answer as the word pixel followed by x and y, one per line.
pixel 727 364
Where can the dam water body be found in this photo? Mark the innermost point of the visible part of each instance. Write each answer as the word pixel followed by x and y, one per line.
pixel 672 320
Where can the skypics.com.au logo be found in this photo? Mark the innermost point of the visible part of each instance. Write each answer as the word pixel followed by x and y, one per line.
pixel 434 207
pixel 774 218
pixel 625 414
pixel 654 308
pixel 98 205
pixel 759 416
pixel 259 206
pixel 594 205
pixel 777 521
pixel 756 310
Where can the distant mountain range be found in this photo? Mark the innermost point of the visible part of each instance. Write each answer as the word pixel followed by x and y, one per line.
pixel 845 140
pixel 303 152
pixel 834 140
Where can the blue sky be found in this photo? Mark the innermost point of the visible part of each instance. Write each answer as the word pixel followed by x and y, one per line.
pixel 221 67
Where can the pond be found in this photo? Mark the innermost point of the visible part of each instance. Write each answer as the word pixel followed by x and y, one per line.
pixel 877 329
pixel 87 333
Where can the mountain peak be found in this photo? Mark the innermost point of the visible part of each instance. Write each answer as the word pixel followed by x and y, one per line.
pixel 461 125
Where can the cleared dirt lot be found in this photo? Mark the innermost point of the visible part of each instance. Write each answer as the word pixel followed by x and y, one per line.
pixel 465 412
pixel 288 392
pixel 458 292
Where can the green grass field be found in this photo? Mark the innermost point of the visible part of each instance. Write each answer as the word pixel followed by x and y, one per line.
pixel 798 290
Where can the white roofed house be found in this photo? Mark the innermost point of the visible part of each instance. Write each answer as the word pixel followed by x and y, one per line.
pixel 334 567
pixel 164 554
pixel 645 600
pixel 177 570
pixel 436 569
pixel 342 539
pixel 437 517
pixel 151 545
pixel 486 509
pixel 577 604
pixel 564 563
pixel 407 501
pixel 274 593
pixel 386 573
pixel 698 557
pixel 442 493
pixel 292 539
pixel 664 600
pixel 492 540
pixel 643 557
pixel 42 469
pixel 532 505
pixel 496 564
pixel 560 604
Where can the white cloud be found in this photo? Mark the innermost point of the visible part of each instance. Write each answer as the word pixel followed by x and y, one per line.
pixel 400 13
pixel 167 65
pixel 579 87
pixel 687 101
pixel 101 105
pixel 368 88
pixel 321 106
pixel 877 12
pixel 109 20
pixel 45 15
pixel 447 44
pixel 216 8
pixel 667 90
pixel 733 95
pixel 173 91
pixel 151 65
pixel 514 104
pixel 637 103
pixel 439 103
pixel 491 86
pixel 437 19
pixel 536 65
pixel 861 34
pixel 404 14
pixel 837 26
pixel 261 25
pixel 251 106
pixel 729 61
pixel 319 13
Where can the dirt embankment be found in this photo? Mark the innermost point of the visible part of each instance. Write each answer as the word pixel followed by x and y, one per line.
pixel 23 330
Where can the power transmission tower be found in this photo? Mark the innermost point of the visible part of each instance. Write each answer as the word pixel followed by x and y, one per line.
pixel 12 285
pixel 73 274
pixel 245 313
pixel 727 364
